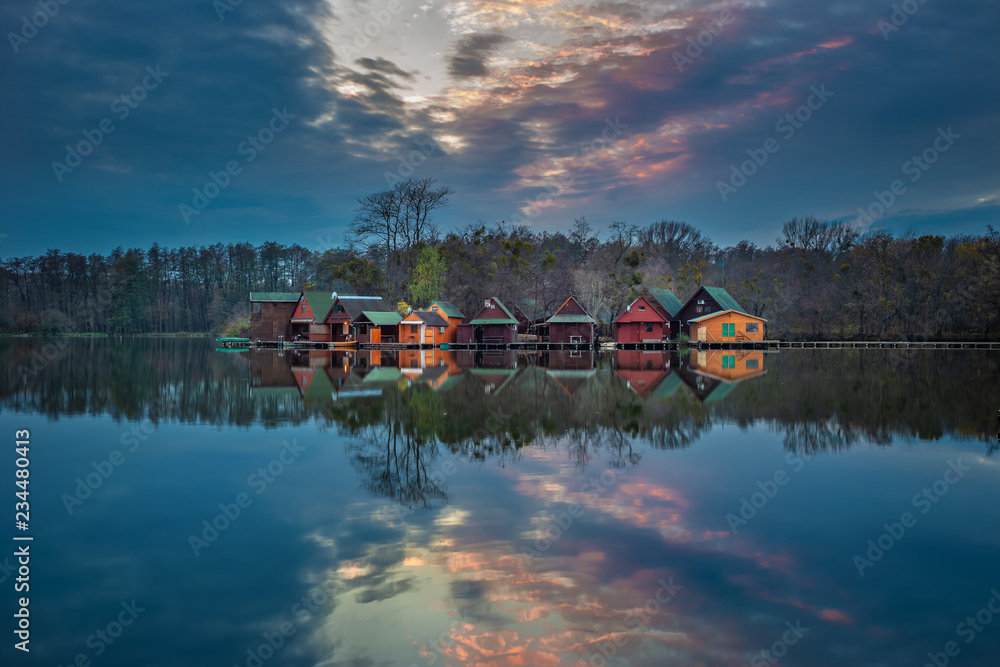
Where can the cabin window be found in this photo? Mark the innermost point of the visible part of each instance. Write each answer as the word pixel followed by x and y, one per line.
pixel 728 329
pixel 256 306
pixel 649 327
pixel 729 361
pixel 440 330
pixel 753 327
pixel 698 309
pixel 752 364
pixel 642 307
pixel 338 308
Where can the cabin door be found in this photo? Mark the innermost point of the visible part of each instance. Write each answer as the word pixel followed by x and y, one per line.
pixel 702 335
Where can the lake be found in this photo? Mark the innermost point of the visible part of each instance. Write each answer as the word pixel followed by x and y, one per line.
pixel 199 507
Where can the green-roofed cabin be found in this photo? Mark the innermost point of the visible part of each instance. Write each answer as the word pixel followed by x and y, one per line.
pixel 571 324
pixel 705 301
pixel 375 326
pixel 495 323
pixel 348 322
pixel 308 320
pixel 271 314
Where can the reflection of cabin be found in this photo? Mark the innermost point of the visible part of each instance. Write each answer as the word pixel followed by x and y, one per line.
pixel 452 314
pixel 727 326
pixel 346 310
pixel 705 301
pixel 644 321
pixel 375 326
pixel 424 327
pixel 571 368
pixel 308 319
pixel 493 324
pixel 571 324
pixel 713 374
pixel 643 371
pixel 271 314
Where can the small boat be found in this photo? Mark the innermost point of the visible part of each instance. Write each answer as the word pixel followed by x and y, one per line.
pixel 344 344
pixel 231 342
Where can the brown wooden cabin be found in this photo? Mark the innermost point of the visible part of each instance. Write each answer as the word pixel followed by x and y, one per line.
pixel 644 321
pixel 345 311
pixel 571 324
pixel 727 326
pixel 494 323
pixel 271 315
pixel 308 319
pixel 705 301
pixel 374 326
pixel 424 327
pixel 452 314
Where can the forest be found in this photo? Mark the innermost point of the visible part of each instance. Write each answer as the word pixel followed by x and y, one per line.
pixel 818 280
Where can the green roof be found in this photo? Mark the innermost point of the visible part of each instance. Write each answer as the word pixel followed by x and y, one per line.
pixel 720 392
pixel 493 320
pixel 723 312
pixel 667 299
pixel 274 296
pixel 668 387
pixel 383 318
pixel 724 299
pixel 383 374
pixel 320 303
pixel 450 309
pixel 569 319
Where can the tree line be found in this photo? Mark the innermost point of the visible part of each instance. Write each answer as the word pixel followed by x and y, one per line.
pixel 819 280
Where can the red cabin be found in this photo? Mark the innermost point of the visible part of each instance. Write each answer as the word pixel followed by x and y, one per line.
pixel 644 321
pixel 571 324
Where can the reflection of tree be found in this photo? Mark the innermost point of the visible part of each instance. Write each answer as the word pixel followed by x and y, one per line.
pixel 394 465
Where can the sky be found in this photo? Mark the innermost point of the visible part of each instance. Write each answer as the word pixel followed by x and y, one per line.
pixel 196 122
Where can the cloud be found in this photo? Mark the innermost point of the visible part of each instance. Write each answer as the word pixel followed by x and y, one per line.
pixel 472 52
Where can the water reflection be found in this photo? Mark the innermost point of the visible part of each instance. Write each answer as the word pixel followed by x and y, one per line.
pixel 514 509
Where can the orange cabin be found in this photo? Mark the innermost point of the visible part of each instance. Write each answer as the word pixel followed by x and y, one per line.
pixel 727 326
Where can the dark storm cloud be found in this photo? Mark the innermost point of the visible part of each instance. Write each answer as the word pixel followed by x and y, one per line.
pixel 472 52
pixel 225 78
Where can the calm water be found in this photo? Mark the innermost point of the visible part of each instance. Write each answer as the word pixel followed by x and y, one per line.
pixel 448 509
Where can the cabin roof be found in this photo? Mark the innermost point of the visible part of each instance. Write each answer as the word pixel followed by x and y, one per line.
pixel 667 299
pixel 570 318
pixel 290 297
pixel 723 312
pixel 450 309
pixel 724 299
pixel 381 318
pixel 320 304
pixel 510 319
pixel 653 303
pixel 356 305
pixel 431 318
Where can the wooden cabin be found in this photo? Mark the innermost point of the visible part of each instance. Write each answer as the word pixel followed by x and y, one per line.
pixel 376 326
pixel 705 301
pixel 670 304
pixel 571 324
pixel 453 315
pixel 642 370
pixel 271 315
pixel 494 324
pixel 713 374
pixel 308 321
pixel 727 326
pixel 424 327
pixel 347 308
pixel 644 321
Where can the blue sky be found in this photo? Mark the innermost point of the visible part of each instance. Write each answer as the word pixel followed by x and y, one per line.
pixel 532 111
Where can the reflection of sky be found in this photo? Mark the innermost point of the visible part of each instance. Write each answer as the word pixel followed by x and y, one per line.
pixel 453 581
